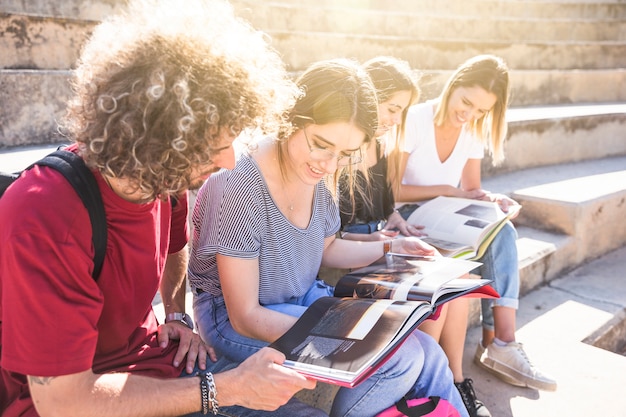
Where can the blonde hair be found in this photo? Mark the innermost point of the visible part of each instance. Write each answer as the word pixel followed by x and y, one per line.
pixel 492 74
pixel 155 85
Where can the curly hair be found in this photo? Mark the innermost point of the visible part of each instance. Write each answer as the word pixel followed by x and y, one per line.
pixel 154 86
pixel 491 73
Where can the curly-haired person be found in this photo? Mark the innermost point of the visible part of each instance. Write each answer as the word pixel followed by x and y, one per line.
pixel 160 93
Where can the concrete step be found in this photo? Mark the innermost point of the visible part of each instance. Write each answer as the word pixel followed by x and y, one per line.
pixel 534 9
pixel 553 135
pixel 558 324
pixel 425 25
pixel 308 33
pixel 73 9
pixel 35 42
pixel 583 201
pixel 32 104
pixel 301 48
pixel 546 9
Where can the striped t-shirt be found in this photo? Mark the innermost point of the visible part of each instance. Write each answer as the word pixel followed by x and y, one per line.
pixel 236 216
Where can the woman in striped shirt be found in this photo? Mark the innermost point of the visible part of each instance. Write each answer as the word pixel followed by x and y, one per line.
pixel 268 225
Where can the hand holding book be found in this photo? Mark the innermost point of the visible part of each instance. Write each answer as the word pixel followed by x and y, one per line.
pixel 460 227
pixel 343 339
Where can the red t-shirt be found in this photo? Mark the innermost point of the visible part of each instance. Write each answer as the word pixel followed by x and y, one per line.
pixel 55 319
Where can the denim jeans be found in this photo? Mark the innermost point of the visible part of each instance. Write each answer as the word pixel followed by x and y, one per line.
pixel 500 264
pixel 364 228
pixel 418 368
pixel 214 325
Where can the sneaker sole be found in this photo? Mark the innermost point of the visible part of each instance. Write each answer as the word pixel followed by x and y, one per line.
pixel 504 373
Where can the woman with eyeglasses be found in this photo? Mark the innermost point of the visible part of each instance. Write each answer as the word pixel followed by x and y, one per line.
pixel 271 223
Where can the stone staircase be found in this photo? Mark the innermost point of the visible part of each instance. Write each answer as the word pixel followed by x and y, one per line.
pixel 566 149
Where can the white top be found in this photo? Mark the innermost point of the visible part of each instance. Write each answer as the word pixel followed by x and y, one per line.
pixel 424 166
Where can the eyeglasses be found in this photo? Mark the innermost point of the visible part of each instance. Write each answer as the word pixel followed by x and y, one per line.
pixel 320 154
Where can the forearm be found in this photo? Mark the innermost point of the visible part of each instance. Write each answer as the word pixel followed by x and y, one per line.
pixel 114 394
pixel 410 193
pixel 261 323
pixel 173 282
pixel 343 253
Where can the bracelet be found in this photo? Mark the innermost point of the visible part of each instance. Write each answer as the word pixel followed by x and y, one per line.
pixel 386 247
pixel 209 393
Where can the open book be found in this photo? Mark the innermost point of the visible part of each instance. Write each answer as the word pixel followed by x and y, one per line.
pixel 460 227
pixel 344 339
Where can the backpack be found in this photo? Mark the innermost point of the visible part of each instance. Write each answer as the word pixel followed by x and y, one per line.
pixel 421 407
pixel 82 180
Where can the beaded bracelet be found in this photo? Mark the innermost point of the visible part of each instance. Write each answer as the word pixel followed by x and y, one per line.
pixel 209 393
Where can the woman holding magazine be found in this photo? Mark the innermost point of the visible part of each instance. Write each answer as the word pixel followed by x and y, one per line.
pixel 441 156
pixel 368 214
pixel 256 254
pixel 373 204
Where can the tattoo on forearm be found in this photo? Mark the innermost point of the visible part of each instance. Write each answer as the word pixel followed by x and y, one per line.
pixel 40 380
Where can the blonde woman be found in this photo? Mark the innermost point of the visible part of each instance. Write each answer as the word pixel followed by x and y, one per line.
pixel 442 155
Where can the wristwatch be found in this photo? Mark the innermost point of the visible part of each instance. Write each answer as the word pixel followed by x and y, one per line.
pixel 182 317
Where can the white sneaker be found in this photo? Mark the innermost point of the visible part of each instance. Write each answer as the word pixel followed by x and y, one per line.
pixel 511 364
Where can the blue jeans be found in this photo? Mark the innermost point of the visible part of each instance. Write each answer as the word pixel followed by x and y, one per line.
pixel 419 367
pixel 214 325
pixel 500 264
pixel 364 228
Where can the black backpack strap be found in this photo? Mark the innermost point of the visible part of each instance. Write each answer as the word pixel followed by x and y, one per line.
pixel 81 178
pixel 418 410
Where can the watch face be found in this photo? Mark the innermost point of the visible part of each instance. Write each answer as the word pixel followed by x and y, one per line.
pixel 182 317
pixel 188 321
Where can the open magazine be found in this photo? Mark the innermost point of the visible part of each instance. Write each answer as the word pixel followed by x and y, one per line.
pixel 460 227
pixel 344 339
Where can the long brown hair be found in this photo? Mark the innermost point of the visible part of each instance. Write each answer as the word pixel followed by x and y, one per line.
pixel 389 76
pixel 337 90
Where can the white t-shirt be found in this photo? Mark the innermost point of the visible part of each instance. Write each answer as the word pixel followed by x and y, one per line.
pixel 424 166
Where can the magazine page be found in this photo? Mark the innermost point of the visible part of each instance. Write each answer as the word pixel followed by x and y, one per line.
pixel 404 277
pixel 340 340
pixel 472 287
pixel 461 221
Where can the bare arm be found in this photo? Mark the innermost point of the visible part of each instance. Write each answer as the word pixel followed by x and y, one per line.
pixel 172 289
pixel 470 181
pixel 240 286
pixel 342 253
pixel 470 177
pixel 173 283
pixel 259 383
pixel 114 394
